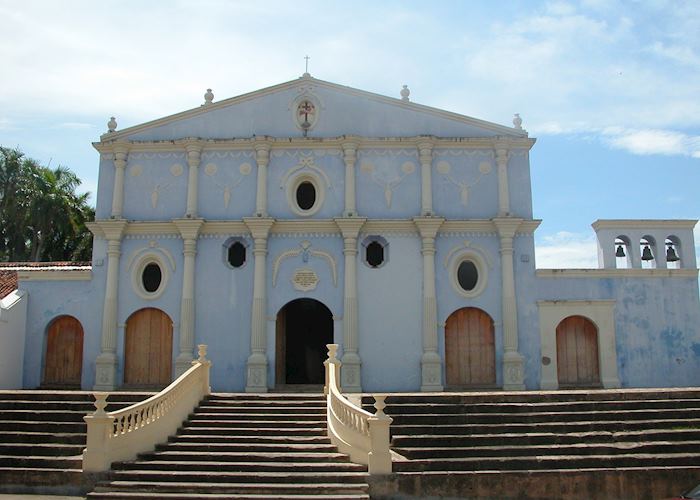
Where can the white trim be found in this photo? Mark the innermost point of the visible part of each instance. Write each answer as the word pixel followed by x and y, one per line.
pixel 474 256
pixel 149 257
pixel 81 273
pixel 601 313
pixel 617 273
pixel 650 224
pixel 293 184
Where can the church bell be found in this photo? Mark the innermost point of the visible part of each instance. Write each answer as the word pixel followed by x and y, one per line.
pixel 620 252
pixel 671 255
pixel 646 253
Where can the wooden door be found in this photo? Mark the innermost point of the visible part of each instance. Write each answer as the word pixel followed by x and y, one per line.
pixel 64 353
pixel 148 349
pixel 470 352
pixel 577 352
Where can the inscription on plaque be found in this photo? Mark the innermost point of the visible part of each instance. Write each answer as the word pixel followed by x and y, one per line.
pixel 305 279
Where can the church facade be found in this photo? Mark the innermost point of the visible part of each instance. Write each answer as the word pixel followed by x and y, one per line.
pixel 273 223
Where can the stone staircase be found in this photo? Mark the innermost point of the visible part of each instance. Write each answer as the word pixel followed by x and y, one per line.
pixel 243 446
pixel 42 436
pixel 469 437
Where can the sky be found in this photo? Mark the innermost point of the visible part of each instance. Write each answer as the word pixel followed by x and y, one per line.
pixel 610 89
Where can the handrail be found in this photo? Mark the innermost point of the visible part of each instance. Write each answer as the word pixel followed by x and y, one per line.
pixel 123 434
pixel 356 432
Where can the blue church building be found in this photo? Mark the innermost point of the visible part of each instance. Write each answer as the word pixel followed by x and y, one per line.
pixel 273 223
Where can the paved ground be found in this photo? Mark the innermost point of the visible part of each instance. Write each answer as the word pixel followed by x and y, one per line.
pixel 37 497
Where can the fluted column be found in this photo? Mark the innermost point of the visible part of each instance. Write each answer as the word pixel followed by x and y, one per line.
pixel 503 194
pixel 194 153
pixel 106 362
pixel 256 367
pixel 350 373
pixel 513 376
pixel 350 158
pixel 431 364
pixel 121 151
pixel 189 231
pixel 262 158
pixel 425 154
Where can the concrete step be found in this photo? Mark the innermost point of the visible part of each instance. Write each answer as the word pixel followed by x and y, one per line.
pixel 249 438
pixel 71 462
pixel 43 437
pixel 213 465
pixel 46 426
pixel 272 410
pixel 82 406
pixel 330 488
pixel 197 421
pixel 290 403
pixel 540 438
pixel 216 430
pixel 243 448
pixel 218 476
pixel 188 496
pixel 579 449
pixel 260 415
pixel 41 449
pixel 84 396
pixel 42 415
pixel 244 397
pixel 549 462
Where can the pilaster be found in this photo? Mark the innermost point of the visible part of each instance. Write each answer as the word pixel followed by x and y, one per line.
pixel 351 371
pixel 106 362
pixel 431 364
pixel 262 159
pixel 121 152
pixel 189 231
pixel 256 366
pixel 425 154
pixel 350 158
pixel 513 374
pixel 503 194
pixel 194 152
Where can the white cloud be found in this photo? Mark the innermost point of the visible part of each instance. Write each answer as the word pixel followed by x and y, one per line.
pixel 565 250
pixel 652 141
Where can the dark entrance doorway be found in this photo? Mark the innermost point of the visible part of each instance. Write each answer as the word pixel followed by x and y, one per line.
pixel 304 327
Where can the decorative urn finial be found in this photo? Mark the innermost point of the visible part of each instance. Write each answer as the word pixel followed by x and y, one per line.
pixel 208 97
pixel 517 121
pixel 405 92
pixel 111 125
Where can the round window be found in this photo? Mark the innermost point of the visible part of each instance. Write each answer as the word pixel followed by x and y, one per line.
pixel 151 277
pixel 236 254
pixel 467 275
pixel 306 195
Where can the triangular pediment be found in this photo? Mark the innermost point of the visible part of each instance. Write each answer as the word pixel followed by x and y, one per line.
pixel 338 111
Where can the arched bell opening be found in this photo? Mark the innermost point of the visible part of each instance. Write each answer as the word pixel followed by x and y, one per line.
pixel 673 252
pixel 647 248
pixel 623 254
pixel 304 327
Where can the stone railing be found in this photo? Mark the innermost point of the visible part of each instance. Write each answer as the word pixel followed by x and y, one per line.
pixel 356 432
pixel 123 434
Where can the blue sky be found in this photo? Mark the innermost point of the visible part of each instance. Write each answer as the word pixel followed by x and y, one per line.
pixel 611 90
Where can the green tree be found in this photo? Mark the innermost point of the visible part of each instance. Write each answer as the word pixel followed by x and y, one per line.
pixel 41 215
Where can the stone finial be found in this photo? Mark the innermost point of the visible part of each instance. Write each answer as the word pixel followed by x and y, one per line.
pixel 111 125
pixel 208 97
pixel 517 121
pixel 405 92
pixel 100 403
pixel 202 351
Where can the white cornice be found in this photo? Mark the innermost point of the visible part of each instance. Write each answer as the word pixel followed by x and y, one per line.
pixel 617 273
pixel 493 127
pixel 644 224
pixel 559 303
pixel 84 274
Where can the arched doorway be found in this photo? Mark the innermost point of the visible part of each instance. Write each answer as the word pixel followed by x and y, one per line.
pixel 148 345
pixel 577 352
pixel 63 363
pixel 470 352
pixel 304 327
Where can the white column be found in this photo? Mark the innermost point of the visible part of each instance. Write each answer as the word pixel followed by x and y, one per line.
pixel 262 158
pixel 121 151
pixel 425 154
pixel 513 376
pixel 350 374
pixel 194 152
pixel 431 364
pixel 503 195
pixel 350 158
pixel 106 362
pixel 189 230
pixel 256 367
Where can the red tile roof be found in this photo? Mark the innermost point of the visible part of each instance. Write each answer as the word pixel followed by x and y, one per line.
pixel 8 283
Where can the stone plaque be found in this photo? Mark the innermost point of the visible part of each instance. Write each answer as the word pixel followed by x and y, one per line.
pixel 305 279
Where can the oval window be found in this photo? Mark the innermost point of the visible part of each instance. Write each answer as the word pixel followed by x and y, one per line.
pixel 375 254
pixel 236 254
pixel 467 275
pixel 306 195
pixel 151 277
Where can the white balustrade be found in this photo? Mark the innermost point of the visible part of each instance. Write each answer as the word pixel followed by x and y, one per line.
pixel 123 434
pixel 356 432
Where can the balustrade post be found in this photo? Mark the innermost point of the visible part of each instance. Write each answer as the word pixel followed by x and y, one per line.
pixel 379 457
pixel 99 427
pixel 335 362
pixel 202 360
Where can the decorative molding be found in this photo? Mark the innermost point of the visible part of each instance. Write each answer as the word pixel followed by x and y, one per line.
pixel 305 162
pixel 443 167
pixel 152 248
pixel 82 274
pixel 306 252
pixel 466 246
pixel 211 169
pixel 646 224
pixel 616 273
pixel 386 183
